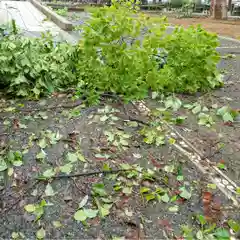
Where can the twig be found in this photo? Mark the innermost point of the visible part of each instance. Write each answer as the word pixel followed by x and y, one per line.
pixel 91 173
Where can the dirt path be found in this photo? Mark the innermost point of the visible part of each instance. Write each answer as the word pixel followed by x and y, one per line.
pixel 224 28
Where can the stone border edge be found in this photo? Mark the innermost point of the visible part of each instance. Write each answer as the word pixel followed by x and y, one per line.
pixel 58 20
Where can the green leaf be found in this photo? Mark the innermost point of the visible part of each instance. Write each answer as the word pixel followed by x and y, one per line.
pixel 57 224
pixel 41 234
pixel 222 233
pixel 81 157
pixel 165 198
pixel 199 235
pixel 221 165
pixel 201 219
pixel 80 216
pixel 144 190
pixel 180 178
pixel 169 168
pixel 150 197
pixel 104 118
pixel 184 193
pixel 227 117
pixel 124 142
pixel 49 173
pixel 72 157
pixel 3 165
pixel 41 155
pixel 30 208
pixel 49 190
pixel 173 208
pixel 83 202
pixel 160 140
pixel 106 167
pixel 15 235
pixel 125 166
pixel 212 186
pixel 99 189
pixel 90 213
pixel 127 190
pixel 67 168
pixel 196 109
pixel 104 210
pixel 173 102
pixel 42 143
pixel 234 225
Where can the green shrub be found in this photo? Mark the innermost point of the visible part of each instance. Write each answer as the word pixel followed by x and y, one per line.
pixel 113 58
pixel 191 62
pixel 33 67
pixel 117 57
pixel 120 52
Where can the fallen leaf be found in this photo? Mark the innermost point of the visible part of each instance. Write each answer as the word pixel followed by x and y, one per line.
pixel 41 234
pixel 49 190
pixel 165 198
pixel 80 215
pixel 41 155
pixel 83 202
pixel 173 209
pixel 90 213
pixel 57 224
pixel 49 173
pixel 184 193
pixel 30 208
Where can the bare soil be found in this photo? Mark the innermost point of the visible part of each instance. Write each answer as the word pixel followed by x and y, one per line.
pixel 230 28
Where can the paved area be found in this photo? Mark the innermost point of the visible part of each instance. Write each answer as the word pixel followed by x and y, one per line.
pixel 29 19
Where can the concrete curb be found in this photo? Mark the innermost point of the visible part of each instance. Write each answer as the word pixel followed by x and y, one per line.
pixel 58 20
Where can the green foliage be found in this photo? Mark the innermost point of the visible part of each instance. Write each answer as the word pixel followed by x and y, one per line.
pixel 121 51
pixel 115 60
pixel 191 61
pixel 32 67
pixel 62 11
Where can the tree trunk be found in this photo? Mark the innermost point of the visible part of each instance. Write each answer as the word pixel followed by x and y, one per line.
pixel 219 10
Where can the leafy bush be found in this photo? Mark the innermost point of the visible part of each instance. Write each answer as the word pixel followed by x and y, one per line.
pixel 119 49
pixel 113 56
pixel 31 67
pixel 191 62
pixel 62 11
pixel 122 52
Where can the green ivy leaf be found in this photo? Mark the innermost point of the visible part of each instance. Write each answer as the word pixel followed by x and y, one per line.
pixel 41 155
pixel 165 198
pixel 99 189
pixel 90 213
pixel 150 197
pixel 72 157
pixel 173 208
pixel 49 190
pixel 67 168
pixel 222 233
pixel 30 208
pixel 49 173
pixel 3 165
pixel 42 143
pixel 234 225
pixel 41 233
pixel 80 216
pixel 184 193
